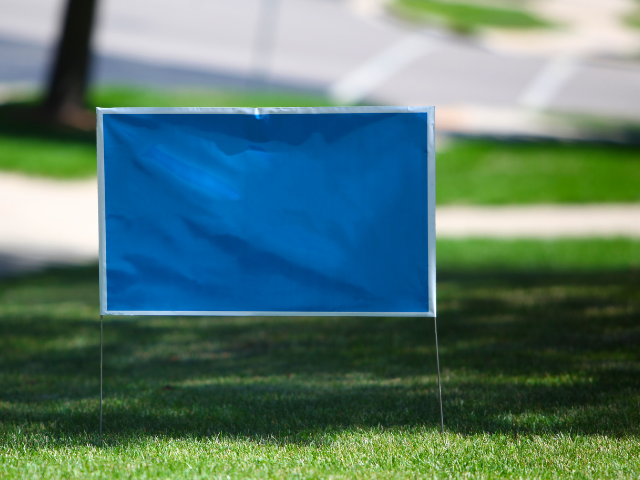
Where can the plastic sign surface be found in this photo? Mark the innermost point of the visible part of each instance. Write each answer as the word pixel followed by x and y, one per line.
pixel 267 211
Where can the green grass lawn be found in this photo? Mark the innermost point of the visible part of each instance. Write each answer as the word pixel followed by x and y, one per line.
pixel 466 16
pixel 541 379
pixel 517 172
pixel 633 18
pixel 495 172
pixel 126 96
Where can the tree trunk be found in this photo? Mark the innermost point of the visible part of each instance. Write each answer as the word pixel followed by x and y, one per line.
pixel 65 98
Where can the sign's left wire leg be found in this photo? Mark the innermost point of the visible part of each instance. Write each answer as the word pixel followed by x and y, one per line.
pixel 101 344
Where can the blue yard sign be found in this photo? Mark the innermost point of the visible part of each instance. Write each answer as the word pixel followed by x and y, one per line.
pixel 267 211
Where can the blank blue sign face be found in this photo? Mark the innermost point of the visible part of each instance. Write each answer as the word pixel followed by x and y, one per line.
pixel 267 211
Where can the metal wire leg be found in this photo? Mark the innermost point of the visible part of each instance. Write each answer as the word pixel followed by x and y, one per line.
pixel 101 378
pixel 435 326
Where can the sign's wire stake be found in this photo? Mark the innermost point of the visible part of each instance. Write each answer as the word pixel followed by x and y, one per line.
pixel 435 326
pixel 101 343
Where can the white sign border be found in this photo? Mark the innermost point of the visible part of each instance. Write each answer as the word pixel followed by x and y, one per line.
pixel 431 201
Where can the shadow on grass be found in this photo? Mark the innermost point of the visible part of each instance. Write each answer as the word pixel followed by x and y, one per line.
pixel 522 353
pixel 24 120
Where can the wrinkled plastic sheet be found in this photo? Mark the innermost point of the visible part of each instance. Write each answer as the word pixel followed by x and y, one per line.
pixel 270 211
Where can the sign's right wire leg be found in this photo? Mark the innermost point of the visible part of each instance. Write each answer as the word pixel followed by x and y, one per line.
pixel 435 326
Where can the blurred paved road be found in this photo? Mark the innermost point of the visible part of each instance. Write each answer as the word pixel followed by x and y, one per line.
pixel 319 44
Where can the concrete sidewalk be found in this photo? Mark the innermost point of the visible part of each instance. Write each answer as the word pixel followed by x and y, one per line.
pixel 46 222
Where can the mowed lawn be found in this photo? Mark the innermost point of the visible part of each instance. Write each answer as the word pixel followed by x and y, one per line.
pixel 540 361
pixel 539 348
